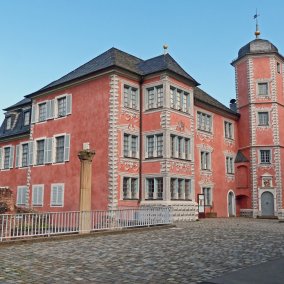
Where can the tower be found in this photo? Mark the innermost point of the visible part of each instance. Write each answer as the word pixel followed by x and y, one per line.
pixel 260 103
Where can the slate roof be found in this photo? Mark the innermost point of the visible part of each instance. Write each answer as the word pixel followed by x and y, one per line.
pixel 17 129
pixel 200 95
pixel 25 101
pixel 115 57
pixel 240 158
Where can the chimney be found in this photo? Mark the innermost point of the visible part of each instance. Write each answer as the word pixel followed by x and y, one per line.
pixel 233 105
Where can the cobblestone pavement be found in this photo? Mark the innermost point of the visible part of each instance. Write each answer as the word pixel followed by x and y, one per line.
pixel 189 253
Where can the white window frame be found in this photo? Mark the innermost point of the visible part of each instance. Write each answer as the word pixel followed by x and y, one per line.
pixel 175 191
pixel 155 146
pixel 11 157
pixel 270 156
pixel 35 151
pixel 174 147
pixel 129 188
pixel 155 192
pixel 55 105
pixel 53 154
pixel 19 154
pixel 8 123
pixel 199 126
pixel 37 187
pixel 267 82
pixel 208 161
pixel 206 195
pixel 231 130
pixel 155 87
pixel 37 111
pixel 258 118
pixel 27 121
pixel 22 196
pixel 229 165
pixel 130 154
pixel 131 87
pixel 181 102
pixel 57 204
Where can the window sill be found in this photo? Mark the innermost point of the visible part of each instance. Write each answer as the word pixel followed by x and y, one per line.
pixel 205 131
pixel 181 159
pixel 154 199
pixel 179 110
pixel 152 158
pixel 131 158
pixel 181 199
pixel 130 199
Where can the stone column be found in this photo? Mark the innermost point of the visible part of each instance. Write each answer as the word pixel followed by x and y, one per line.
pixel 86 157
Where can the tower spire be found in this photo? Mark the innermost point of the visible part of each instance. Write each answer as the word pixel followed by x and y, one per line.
pixel 257 32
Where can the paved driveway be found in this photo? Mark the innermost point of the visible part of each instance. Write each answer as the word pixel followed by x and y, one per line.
pixel 189 253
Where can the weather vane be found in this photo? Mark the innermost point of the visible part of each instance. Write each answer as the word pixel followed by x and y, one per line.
pixel 257 32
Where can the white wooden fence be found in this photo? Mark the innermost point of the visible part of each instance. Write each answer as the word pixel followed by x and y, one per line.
pixel 13 226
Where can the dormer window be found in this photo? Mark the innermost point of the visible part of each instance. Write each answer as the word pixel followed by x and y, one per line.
pixel 27 116
pixel 8 123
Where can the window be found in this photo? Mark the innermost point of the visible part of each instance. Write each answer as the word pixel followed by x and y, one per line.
pixel 229 165
pixel 42 112
pixel 205 160
pixel 228 127
pixel 180 147
pixel 59 152
pixel 204 122
pixel 25 154
pixel 180 100
pixel 130 188
pixel 130 96
pixel 27 115
pixel 8 123
pixel 278 68
pixel 61 107
pixel 180 189
pixel 40 152
pixel 154 188
pixel 207 191
pixel 22 195
pixel 263 118
pixel 57 195
pixel 265 156
pixel 155 97
pixel 7 154
pixel 154 146
pixel 130 146
pixel 263 89
pixel 37 198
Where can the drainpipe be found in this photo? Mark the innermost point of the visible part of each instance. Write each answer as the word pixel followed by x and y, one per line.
pixel 140 140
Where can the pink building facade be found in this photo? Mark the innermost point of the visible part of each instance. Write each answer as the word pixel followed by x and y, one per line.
pixel 159 139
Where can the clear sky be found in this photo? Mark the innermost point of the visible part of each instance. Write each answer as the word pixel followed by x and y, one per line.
pixel 42 40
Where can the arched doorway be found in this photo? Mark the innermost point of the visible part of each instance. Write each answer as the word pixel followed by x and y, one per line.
pixel 267 204
pixel 231 204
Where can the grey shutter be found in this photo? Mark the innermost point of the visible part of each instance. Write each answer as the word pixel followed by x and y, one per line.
pixel 11 160
pixel 146 146
pixel 31 153
pixel 50 109
pixel 1 162
pixel 33 117
pixel 54 192
pixel 67 147
pixel 48 151
pixel 34 198
pixel 17 155
pixel 60 191
pixel 68 104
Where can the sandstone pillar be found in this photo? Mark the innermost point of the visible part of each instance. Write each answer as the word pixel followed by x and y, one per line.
pixel 86 157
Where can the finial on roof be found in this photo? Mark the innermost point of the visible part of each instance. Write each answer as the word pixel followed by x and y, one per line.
pixel 257 32
pixel 165 46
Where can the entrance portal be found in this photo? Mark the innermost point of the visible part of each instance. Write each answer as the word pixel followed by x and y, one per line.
pixel 267 204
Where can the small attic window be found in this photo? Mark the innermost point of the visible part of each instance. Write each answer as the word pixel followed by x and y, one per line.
pixel 278 68
pixel 8 123
pixel 27 115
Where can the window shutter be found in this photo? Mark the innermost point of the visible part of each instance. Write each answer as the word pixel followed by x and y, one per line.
pixel 34 199
pixel 17 155
pixel 146 94
pixel 183 148
pixel 48 151
pixel 68 104
pixel 146 189
pixel 67 147
pixel 31 153
pixel 40 195
pixel 50 109
pixel 1 160
pixel 52 103
pixel 53 196
pixel 60 195
pixel 155 146
pixel 11 160
pixel 33 117
pixel 176 144
pixel 137 147
pixel 129 146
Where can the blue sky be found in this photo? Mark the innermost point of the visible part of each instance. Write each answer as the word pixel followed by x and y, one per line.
pixel 43 40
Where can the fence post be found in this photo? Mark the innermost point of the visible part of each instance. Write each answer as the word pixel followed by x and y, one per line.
pixel 86 158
